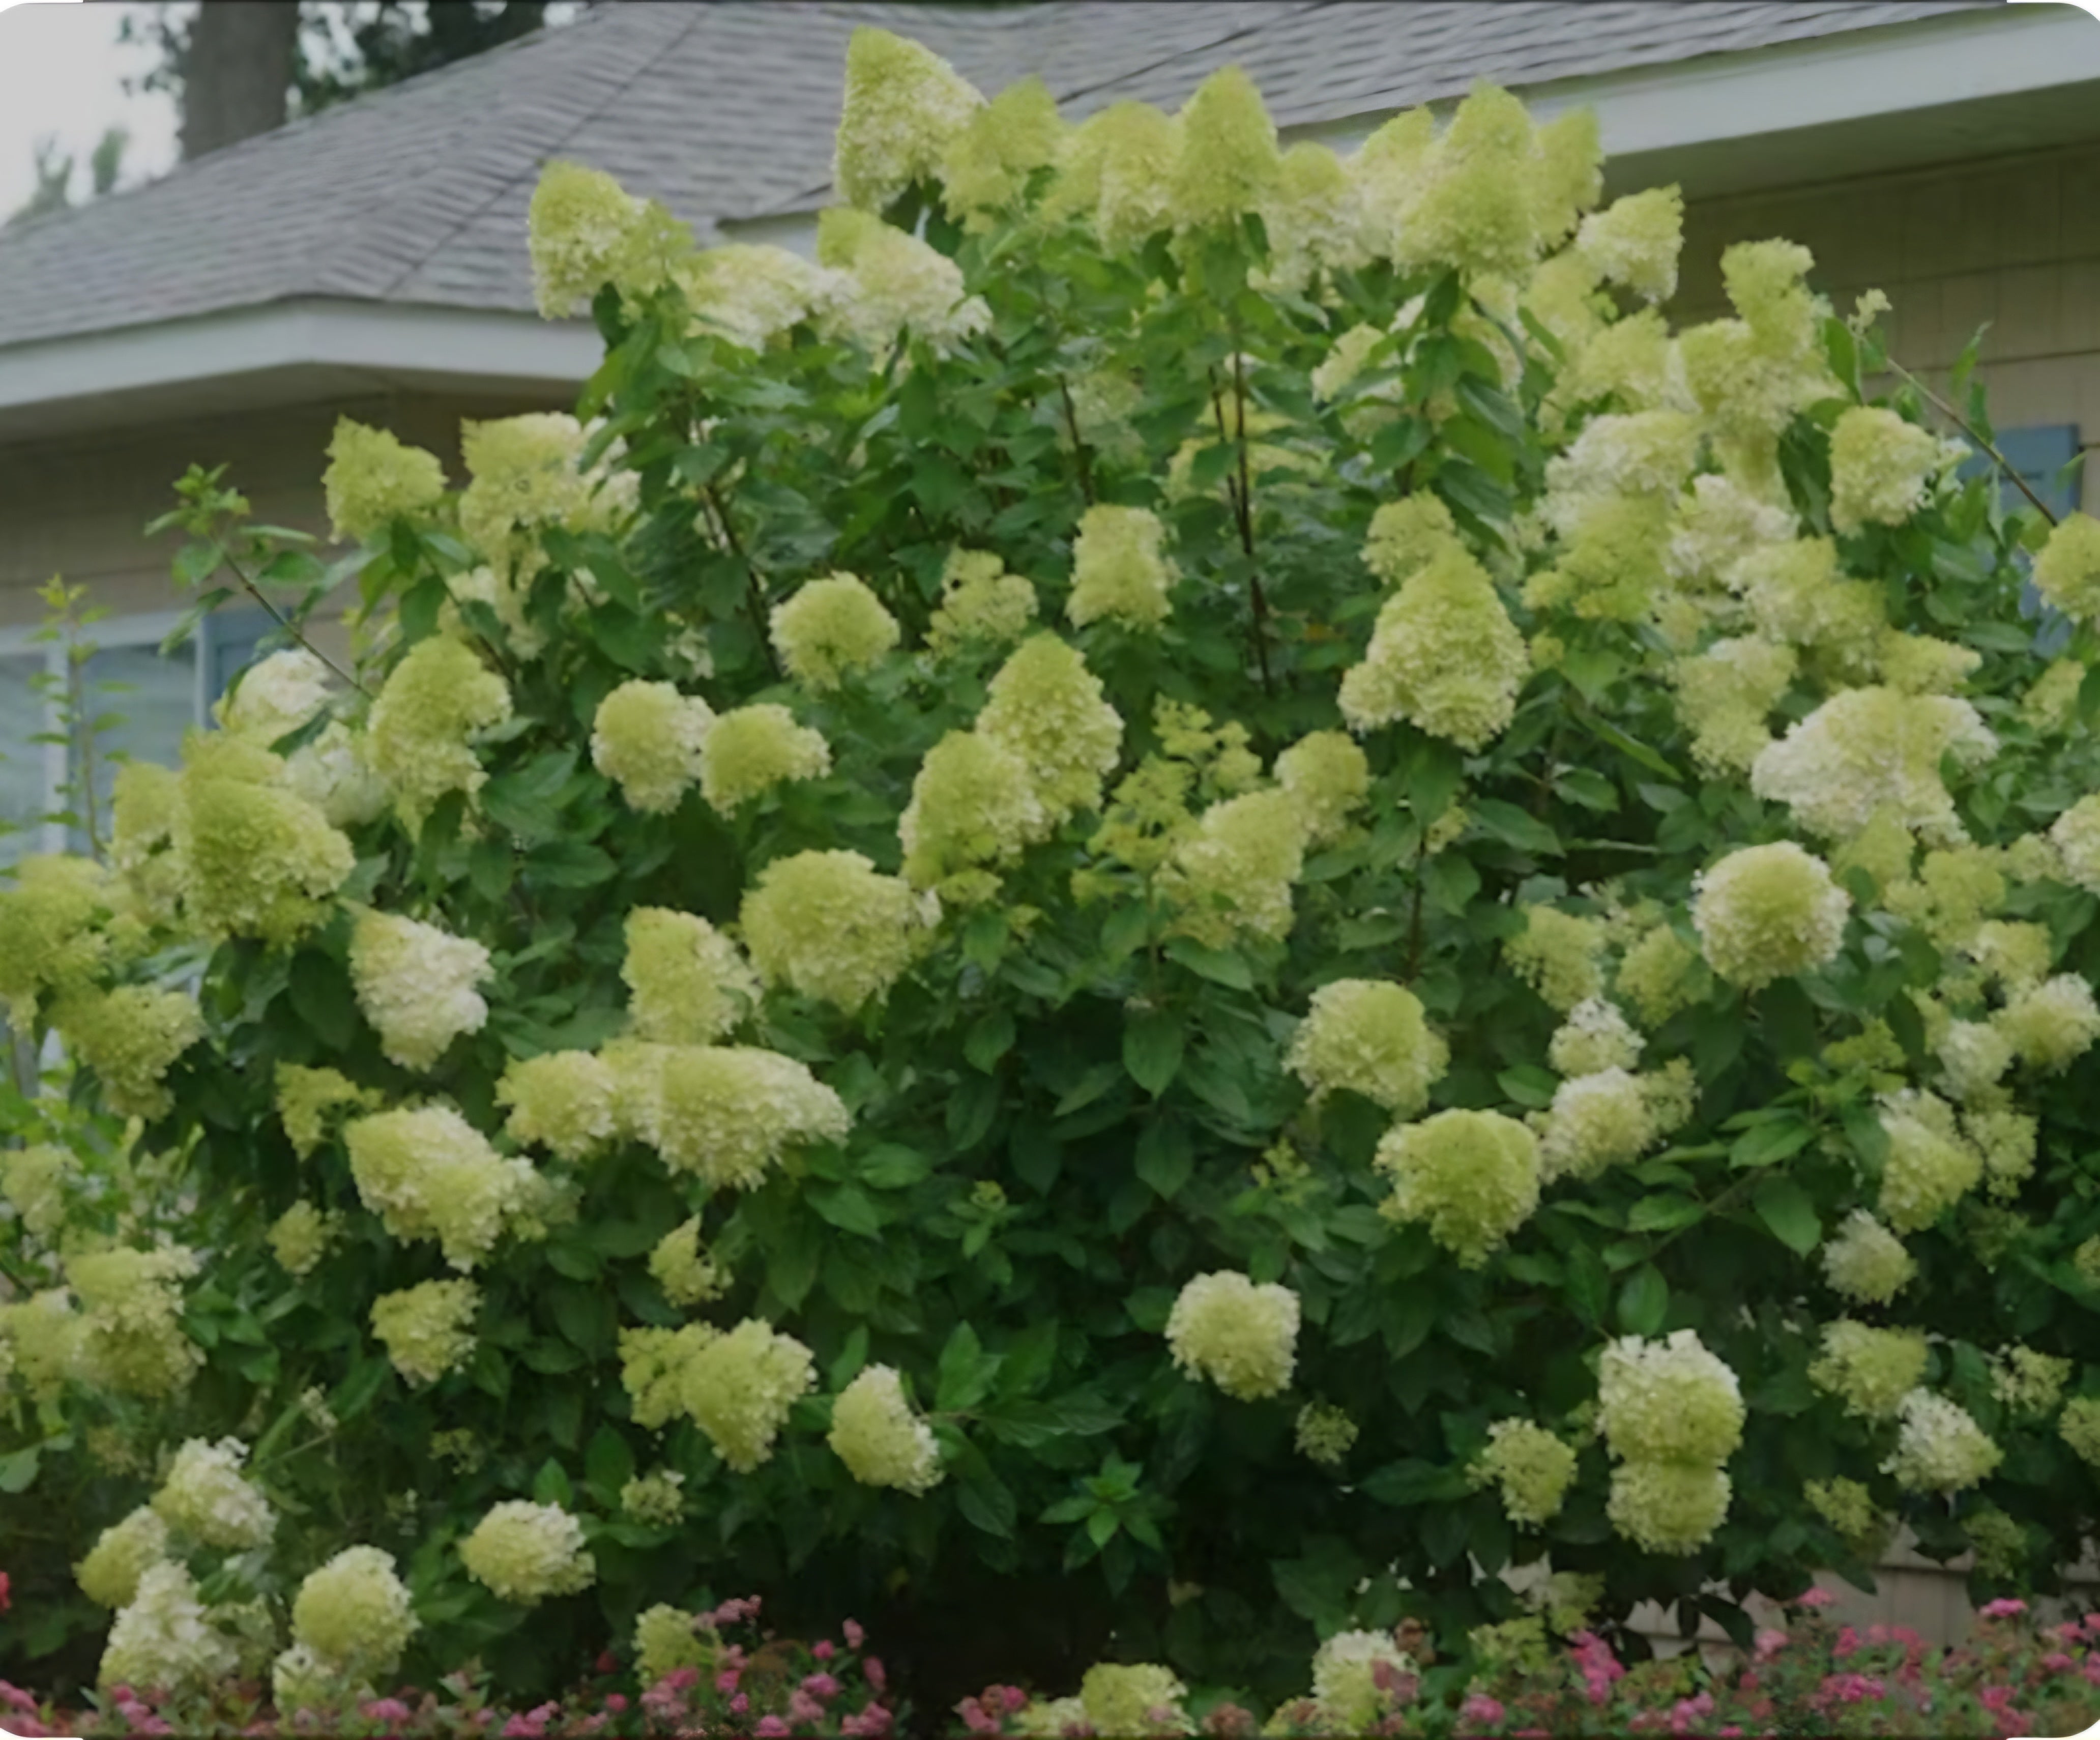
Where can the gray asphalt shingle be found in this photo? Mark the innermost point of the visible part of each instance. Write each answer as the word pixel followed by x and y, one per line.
pixel 417 195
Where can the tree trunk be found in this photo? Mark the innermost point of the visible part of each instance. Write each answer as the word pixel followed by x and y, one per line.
pixel 238 72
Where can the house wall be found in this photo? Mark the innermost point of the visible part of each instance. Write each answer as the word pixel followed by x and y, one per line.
pixel 76 506
pixel 2013 240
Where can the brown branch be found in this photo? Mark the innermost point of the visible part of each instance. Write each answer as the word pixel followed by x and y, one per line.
pixel 1242 500
pixel 1962 423
pixel 1078 447
pixel 754 599
pixel 288 625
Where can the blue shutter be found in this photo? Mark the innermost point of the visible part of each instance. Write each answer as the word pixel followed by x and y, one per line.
pixel 232 640
pixel 2042 456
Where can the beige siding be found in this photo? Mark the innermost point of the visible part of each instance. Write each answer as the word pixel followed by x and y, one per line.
pixel 2013 240
pixel 77 506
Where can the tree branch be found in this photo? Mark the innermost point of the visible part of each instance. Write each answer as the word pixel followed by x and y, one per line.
pixel 1962 423
pixel 1078 447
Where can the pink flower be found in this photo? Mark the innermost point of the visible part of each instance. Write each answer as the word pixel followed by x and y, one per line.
pixel 1848 1640
pixel 1730 1732
pixel 616 1702
pixel 803 1709
pixel 1769 1643
pixel 878 1676
pixel 823 1649
pixel 772 1728
pixel 388 1710
pixel 821 1685
pixel 855 1636
pixel 523 1728
pixel 2004 1608
pixel 16 1699
pixel 608 1662
pixel 976 1718
pixel 740 1705
pixel 873 1721
pixel 1014 1698
pixel 726 1682
pixel 2056 1661
pixel 1480 1707
pixel 1813 1598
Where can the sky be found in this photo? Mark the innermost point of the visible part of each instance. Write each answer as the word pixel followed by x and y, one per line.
pixel 61 73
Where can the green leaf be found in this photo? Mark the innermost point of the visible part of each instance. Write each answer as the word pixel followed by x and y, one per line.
pixel 1588 1283
pixel 792 1269
pixel 551 1486
pixel 894 1168
pixel 1152 1046
pixel 18 1468
pixel 989 1038
pixel 321 997
pixel 608 1464
pixel 965 1371
pixel 1512 826
pixel 1767 1144
pixel 852 1357
pixel 1219 965
pixel 847 1208
pixel 986 1502
pixel 1659 1213
pixel 1412 1480
pixel 1643 1301
pixel 586 1318
pixel 1786 1207
pixel 1166 1156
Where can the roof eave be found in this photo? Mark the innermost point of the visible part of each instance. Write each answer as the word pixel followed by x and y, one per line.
pixel 284 352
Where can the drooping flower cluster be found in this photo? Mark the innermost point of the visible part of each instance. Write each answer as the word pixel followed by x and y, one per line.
pixel 1560 955
pixel 1131 1698
pixel 737 1387
pixel 727 1113
pixel 1865 751
pixel 586 231
pixel 2067 570
pixel 687 983
pixel 427 1329
pixel 894 281
pixel 163 1636
pixel 251 858
pixel 1233 874
pixel 1930 1165
pixel 903 109
pixel 122 1554
pixel 972 811
pixel 416 985
pixel 525 1552
pixel 982 606
pixel 1328 778
pixel 130 1337
pixel 1326 1433
pixel 1241 1337
pixel 131 1037
pixel 1672 1415
pixel 1347 1681
pixel 688 1274
pixel 654 1500
pixel 1880 466
pixel 882 1443
pixel 1471 1176
pixel 1369 1037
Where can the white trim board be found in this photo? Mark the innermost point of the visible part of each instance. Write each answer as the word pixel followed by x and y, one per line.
pixel 393 344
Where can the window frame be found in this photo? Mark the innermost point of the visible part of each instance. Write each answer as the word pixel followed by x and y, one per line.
pixel 140 629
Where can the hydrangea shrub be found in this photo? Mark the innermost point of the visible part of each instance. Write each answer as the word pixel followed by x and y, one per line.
pixel 1192 895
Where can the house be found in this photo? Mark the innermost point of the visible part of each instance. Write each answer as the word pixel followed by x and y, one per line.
pixel 371 261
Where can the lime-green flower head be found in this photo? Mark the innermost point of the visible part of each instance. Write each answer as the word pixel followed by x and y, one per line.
pixel 882 1443
pixel 1769 911
pixel 687 983
pixel 1667 1401
pixel 1241 1337
pixel 1635 241
pixel 1870 1370
pixel 728 1113
pixel 972 811
pixel 1881 467
pixel 420 739
pixel 524 1553
pixel 904 108
pixel 749 750
pixel 205 1498
pixel 831 629
pixel 987 168
pixel 427 1329
pixel 2067 570
pixel 1668 1507
pixel 1472 1176
pixel 374 479
pixel 123 1553
pixel 1865 1262
pixel 828 925
pixel 354 1612
pixel 1227 156
pixel 1134 1698
pixel 1533 1467
pixel 646 738
pixel 1443 655
pixel 738 1389
pixel 1369 1036
pixel 1117 571
pixel 1939 1448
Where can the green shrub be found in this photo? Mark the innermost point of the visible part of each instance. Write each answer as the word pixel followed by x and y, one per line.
pixel 1147 929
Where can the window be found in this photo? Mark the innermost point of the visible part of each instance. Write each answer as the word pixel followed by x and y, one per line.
pixel 156 697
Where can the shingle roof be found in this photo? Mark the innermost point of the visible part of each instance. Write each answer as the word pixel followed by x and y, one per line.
pixel 417 195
